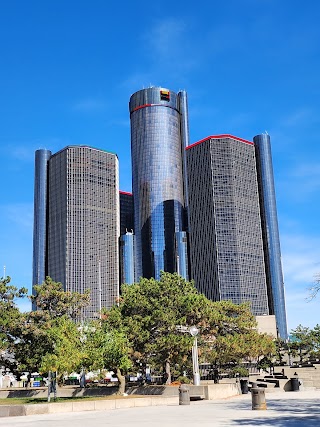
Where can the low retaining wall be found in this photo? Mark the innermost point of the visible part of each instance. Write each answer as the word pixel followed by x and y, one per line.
pixel 203 391
pixel 221 391
pixel 89 405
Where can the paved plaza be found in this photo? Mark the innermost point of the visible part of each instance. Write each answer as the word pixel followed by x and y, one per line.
pixel 284 409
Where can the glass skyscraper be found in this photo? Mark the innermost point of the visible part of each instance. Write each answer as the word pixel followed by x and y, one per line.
pixel 127 239
pixel 40 223
pixel 226 246
pixel 270 231
pixel 81 234
pixel 159 133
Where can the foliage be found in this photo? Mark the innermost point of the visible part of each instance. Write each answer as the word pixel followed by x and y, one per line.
pixel 240 370
pixel 106 350
pixel 157 315
pixel 236 338
pixel 9 311
pixel 314 290
pixel 48 337
pixel 51 298
pixel 66 348
pixel 302 342
pixel 151 311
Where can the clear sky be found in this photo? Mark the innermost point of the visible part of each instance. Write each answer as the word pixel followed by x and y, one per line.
pixel 68 68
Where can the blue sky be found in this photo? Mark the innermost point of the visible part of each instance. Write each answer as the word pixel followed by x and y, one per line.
pixel 68 68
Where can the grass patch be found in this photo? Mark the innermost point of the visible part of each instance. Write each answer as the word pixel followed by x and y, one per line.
pixel 37 400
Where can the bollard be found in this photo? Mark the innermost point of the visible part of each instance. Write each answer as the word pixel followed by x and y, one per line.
pixel 258 399
pixel 244 386
pixel 184 395
pixel 295 384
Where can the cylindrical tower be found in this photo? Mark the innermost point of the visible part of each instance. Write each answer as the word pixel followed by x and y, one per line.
pixel 40 217
pixel 270 231
pixel 157 146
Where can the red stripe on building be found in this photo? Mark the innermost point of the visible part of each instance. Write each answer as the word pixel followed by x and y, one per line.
pixel 125 192
pixel 142 106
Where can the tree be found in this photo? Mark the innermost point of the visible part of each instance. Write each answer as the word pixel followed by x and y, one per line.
pixel 236 339
pixel 150 313
pixel 157 314
pixel 107 350
pixel 50 297
pixel 302 341
pixel 315 288
pixel 48 337
pixel 66 349
pixel 9 312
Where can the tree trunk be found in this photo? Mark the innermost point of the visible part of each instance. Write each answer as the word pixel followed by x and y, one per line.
pixel 122 382
pixel 168 372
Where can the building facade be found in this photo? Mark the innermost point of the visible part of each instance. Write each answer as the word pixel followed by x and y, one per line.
pixel 84 224
pixel 127 239
pixel 270 231
pixel 226 247
pixel 159 133
pixel 40 223
pixel 127 259
pixel 126 212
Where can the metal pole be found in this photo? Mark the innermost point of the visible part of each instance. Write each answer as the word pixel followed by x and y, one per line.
pixel 49 385
pixel 100 290
pixel 195 362
pixel 55 387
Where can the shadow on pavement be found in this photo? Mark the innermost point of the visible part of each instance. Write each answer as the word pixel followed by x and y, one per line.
pixel 282 421
pixel 294 406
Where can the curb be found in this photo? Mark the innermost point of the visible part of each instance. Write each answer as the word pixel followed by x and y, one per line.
pixel 89 405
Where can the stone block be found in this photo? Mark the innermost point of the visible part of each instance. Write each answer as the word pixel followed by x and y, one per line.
pixel 56 408
pixel 124 403
pixel 17 410
pixel 104 405
pixel 41 408
pixel 144 401
pixel 83 405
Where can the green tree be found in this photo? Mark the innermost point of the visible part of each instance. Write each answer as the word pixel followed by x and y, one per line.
pixel 106 350
pixel 51 298
pixel 150 313
pixel 302 342
pixel 48 337
pixel 9 311
pixel 66 349
pixel 315 333
pixel 236 340
pixel 157 314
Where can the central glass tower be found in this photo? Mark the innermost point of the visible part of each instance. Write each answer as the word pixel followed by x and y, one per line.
pixel 159 134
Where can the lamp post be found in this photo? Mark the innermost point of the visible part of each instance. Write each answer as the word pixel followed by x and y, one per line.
pixel 195 362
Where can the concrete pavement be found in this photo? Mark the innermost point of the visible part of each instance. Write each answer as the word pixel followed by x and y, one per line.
pixel 290 409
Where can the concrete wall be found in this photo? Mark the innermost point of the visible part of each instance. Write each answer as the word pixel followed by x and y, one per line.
pixel 89 405
pixel 221 391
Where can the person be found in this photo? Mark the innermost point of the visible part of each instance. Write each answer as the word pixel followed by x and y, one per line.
pixel 164 378
pixel 216 376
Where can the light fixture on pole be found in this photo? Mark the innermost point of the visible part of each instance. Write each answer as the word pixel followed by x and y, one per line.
pixel 195 362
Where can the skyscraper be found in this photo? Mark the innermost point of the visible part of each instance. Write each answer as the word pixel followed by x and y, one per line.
pixel 83 226
pixel 159 133
pixel 270 231
pixel 127 239
pixel 226 247
pixel 40 267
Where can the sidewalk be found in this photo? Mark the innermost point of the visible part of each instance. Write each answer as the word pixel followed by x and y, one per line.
pixel 290 409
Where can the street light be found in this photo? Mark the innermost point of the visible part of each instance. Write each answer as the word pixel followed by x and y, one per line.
pixel 195 362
